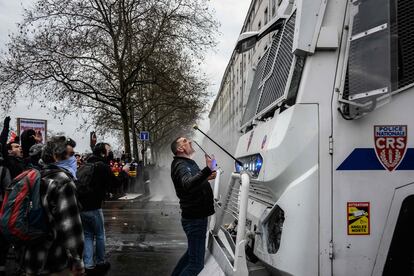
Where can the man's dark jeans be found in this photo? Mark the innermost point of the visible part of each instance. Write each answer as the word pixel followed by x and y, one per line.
pixel 192 262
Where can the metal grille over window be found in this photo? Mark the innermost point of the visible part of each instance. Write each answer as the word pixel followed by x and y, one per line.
pixel 271 57
pixel 369 72
pixel 255 92
pixel 275 86
pixel 369 55
pixel 405 29
pixel 271 81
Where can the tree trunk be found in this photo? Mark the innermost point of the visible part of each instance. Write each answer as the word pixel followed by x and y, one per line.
pixel 135 145
pixel 125 129
pixel 144 146
pixel 134 137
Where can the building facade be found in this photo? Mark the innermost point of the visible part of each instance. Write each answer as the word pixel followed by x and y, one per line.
pixel 227 110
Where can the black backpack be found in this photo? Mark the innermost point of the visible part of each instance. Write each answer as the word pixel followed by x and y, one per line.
pixel 85 184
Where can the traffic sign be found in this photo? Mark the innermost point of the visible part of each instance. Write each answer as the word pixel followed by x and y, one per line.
pixel 144 136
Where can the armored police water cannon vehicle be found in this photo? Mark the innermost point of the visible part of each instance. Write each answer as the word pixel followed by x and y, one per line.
pixel 327 182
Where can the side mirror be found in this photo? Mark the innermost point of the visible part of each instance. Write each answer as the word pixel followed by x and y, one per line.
pixel 246 41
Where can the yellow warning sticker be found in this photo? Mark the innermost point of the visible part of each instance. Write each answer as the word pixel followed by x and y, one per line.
pixel 358 218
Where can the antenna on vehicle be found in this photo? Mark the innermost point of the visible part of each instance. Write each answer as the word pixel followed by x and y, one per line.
pixel 234 158
pixel 202 149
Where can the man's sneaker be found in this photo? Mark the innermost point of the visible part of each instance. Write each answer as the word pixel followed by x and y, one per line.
pixel 103 267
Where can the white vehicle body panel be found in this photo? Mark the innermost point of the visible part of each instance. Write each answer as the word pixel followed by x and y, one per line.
pixel 317 163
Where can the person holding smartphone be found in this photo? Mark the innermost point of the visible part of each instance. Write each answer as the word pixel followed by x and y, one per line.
pixel 196 203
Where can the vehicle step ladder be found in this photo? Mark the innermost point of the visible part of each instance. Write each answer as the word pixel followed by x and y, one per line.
pixel 229 254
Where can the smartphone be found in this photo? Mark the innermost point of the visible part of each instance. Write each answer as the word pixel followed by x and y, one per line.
pixel 213 164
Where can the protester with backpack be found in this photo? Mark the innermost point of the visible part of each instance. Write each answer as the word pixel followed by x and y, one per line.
pixel 95 178
pixel 5 180
pixel 13 159
pixel 11 165
pixel 62 252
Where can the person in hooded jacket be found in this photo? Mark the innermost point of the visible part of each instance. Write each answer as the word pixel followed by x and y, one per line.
pixel 70 162
pixel 62 253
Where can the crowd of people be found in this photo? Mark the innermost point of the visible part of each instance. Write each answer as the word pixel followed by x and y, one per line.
pixel 72 190
pixel 51 202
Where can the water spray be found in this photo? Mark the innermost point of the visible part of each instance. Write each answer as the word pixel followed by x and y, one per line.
pixel 234 158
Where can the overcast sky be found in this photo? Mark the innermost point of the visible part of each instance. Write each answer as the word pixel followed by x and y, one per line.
pixel 230 14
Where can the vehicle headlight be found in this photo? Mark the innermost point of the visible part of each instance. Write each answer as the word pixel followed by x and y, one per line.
pixel 251 163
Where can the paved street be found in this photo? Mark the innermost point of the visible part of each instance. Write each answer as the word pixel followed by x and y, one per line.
pixel 143 237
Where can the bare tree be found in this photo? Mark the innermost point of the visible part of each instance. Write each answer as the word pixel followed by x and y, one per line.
pixel 167 107
pixel 96 54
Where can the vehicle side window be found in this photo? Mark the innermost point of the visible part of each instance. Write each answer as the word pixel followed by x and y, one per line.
pixel 380 56
pixel 369 59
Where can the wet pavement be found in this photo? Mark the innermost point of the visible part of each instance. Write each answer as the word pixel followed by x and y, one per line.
pixel 143 237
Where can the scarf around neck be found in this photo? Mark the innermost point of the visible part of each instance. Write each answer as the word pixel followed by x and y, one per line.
pixel 68 164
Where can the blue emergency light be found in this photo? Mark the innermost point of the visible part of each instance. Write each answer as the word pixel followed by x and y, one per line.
pixel 251 163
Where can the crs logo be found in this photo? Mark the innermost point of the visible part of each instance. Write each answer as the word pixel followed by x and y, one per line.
pixel 390 144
